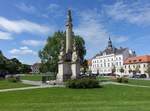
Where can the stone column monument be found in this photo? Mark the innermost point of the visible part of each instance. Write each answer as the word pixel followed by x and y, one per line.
pixel 68 65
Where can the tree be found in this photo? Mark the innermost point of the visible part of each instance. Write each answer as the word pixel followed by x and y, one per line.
pixel 113 70
pixel 121 70
pixel 137 70
pixel 85 66
pixel 148 69
pixel 3 61
pixel 24 68
pixel 49 54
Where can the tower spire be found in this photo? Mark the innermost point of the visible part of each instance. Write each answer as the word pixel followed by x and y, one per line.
pixel 69 16
pixel 109 43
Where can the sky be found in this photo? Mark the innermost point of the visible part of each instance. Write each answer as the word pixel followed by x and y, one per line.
pixel 26 24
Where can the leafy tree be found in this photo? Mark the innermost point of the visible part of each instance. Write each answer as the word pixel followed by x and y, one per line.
pixel 121 70
pixel 12 66
pixel 148 69
pixel 49 54
pixel 3 61
pixel 113 70
pixel 85 66
pixel 24 68
pixel 137 70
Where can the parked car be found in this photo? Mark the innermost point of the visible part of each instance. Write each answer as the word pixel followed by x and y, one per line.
pixel 143 76
pixel 136 76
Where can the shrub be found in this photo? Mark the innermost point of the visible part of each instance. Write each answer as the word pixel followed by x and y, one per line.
pixel 14 79
pixel 83 83
pixel 122 80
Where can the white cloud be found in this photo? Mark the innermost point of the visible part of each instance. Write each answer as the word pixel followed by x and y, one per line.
pixel 53 7
pixel 136 12
pixel 53 11
pixel 26 8
pixel 33 42
pixel 119 39
pixel 5 36
pixel 19 26
pixel 23 51
pixel 91 28
pixel 94 32
pixel 24 48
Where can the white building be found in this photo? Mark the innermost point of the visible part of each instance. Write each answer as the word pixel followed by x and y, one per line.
pixel 35 68
pixel 137 65
pixel 109 59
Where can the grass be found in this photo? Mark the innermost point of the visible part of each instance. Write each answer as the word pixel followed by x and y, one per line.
pixel 139 82
pixel 5 84
pixel 130 81
pixel 109 98
pixel 102 78
pixel 32 77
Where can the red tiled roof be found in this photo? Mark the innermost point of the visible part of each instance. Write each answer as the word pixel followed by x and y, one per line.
pixel 89 62
pixel 36 64
pixel 138 59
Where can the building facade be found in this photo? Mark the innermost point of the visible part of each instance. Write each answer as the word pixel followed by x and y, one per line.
pixel 35 68
pixel 110 59
pixel 137 65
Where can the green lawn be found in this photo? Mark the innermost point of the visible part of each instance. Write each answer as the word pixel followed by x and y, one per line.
pixel 131 81
pixel 102 78
pixel 139 82
pixel 108 98
pixel 32 77
pixel 5 84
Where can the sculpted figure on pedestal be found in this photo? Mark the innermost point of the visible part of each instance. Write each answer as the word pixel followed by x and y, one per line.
pixel 75 57
pixel 62 53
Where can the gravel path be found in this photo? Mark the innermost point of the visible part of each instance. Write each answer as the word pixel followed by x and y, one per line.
pixel 123 84
pixel 33 87
pixel 34 83
pixel 40 85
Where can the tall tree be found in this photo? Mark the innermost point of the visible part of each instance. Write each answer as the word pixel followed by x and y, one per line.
pixel 49 54
pixel 148 69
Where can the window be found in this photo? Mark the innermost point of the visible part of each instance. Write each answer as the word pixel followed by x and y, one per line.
pixel 108 65
pixel 116 63
pixel 120 63
pixel 104 64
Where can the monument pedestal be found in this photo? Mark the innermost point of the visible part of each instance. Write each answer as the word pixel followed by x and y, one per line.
pixel 75 67
pixel 64 71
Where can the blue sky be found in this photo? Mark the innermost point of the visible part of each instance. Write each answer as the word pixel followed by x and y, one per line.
pixel 26 24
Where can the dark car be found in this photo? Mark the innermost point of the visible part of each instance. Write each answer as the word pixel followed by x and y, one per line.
pixel 143 76
pixel 136 76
